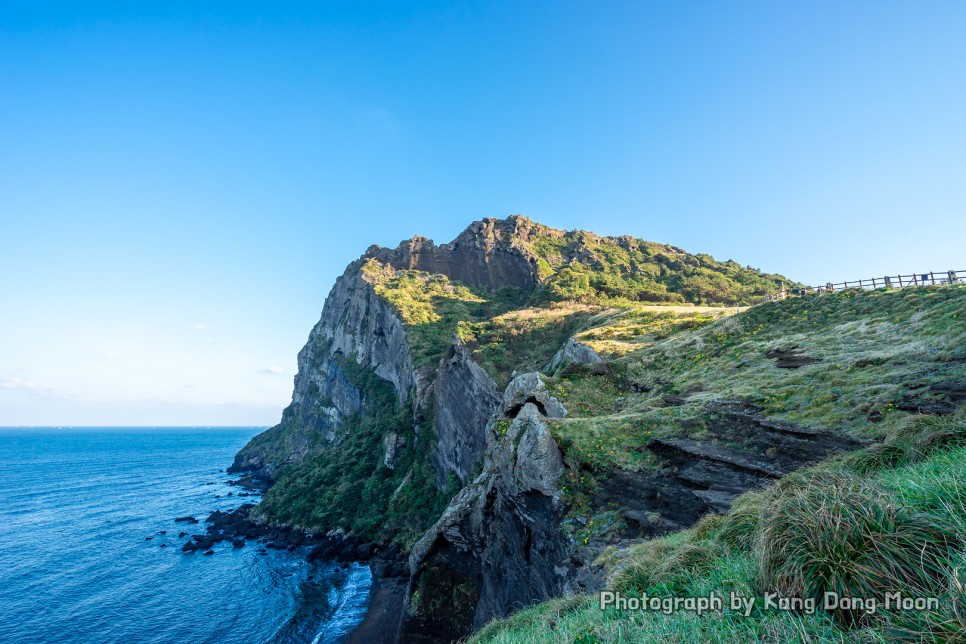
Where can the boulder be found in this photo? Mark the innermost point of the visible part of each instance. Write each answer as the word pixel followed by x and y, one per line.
pixel 381 570
pixel 365 551
pixel 348 554
pixel 572 352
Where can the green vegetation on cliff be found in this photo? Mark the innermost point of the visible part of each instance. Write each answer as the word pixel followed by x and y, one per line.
pixel 583 280
pixel 874 353
pixel 579 266
pixel 348 485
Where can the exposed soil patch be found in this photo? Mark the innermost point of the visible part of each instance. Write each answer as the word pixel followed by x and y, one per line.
pixel 790 358
pixel 938 399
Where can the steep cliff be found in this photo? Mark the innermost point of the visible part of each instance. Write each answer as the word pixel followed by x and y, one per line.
pixel 499 545
pixel 492 254
pixel 358 326
pixel 466 398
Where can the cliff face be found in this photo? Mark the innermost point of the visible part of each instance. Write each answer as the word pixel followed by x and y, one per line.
pixel 492 253
pixel 465 399
pixel 357 326
pixel 499 545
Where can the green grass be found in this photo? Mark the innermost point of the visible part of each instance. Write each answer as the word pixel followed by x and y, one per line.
pixel 891 515
pixel 873 349
pixel 526 339
pixel 858 532
pixel 841 533
pixel 432 307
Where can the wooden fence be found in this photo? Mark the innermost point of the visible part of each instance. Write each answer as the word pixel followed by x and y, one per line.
pixel 889 281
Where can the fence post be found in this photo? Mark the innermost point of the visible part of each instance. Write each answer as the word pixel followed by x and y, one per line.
pixel 932 278
pixel 900 280
pixel 952 277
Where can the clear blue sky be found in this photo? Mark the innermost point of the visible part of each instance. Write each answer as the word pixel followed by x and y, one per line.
pixel 180 186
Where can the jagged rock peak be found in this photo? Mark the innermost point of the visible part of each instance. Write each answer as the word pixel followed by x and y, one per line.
pixel 490 253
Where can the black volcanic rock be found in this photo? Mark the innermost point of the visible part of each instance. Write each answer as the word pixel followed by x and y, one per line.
pixel 348 554
pixel 365 551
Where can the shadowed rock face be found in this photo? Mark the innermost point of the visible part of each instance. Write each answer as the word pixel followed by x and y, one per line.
pixel 499 545
pixel 357 324
pixel 466 398
pixel 489 253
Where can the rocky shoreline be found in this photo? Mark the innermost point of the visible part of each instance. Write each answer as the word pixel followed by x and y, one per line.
pixel 387 563
pixel 238 527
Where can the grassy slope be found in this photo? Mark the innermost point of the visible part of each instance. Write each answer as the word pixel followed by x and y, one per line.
pixel 872 349
pixel 890 516
pixel 588 283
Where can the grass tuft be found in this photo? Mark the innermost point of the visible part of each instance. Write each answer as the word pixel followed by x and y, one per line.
pixel 833 532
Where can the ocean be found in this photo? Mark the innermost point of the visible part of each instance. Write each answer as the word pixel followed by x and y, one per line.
pixel 81 556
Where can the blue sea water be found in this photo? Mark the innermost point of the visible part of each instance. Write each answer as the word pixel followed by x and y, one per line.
pixel 76 508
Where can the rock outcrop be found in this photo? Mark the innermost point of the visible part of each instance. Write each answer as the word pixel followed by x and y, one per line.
pixel 491 253
pixel 573 352
pixel 466 398
pixel 499 545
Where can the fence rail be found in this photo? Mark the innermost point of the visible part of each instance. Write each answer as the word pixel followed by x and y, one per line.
pixel 889 281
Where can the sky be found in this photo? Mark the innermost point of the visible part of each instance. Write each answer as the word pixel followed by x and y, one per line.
pixel 182 182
